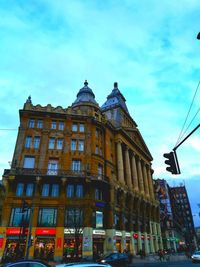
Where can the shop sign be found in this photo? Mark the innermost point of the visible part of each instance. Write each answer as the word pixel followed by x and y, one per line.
pixel 99 232
pixel 142 237
pixel 100 204
pixel 86 241
pixel 148 237
pixel 44 231
pixel 68 231
pixel 15 231
pixel 118 233
pixel 59 242
pixel 1 242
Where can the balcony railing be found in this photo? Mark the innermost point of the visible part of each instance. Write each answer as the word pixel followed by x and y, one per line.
pixel 58 173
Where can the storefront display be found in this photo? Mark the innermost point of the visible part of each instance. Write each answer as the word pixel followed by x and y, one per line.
pixel 72 248
pixel 14 249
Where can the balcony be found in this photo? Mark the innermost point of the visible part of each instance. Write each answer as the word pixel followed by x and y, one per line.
pixel 57 173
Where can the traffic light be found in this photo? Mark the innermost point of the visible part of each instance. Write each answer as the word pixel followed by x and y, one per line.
pixel 198 36
pixel 172 161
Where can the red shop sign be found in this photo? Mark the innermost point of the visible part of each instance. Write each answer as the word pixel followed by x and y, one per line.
pixel 142 237
pixel 59 242
pixel 45 231
pixel 15 231
pixel 149 237
pixel 1 242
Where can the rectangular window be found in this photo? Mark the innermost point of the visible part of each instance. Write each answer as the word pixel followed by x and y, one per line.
pixel 29 162
pixel 74 127
pixel 36 142
pixel 28 142
pixel 55 190
pixel 51 143
pixel 81 128
pixel 98 195
pixel 76 165
pixel 53 125
pixel 16 217
pixel 59 144
pixel 40 124
pixel 79 191
pixel 29 190
pixel 20 189
pixel 73 144
pixel 74 218
pixel 99 219
pixel 100 171
pixel 31 123
pixel 47 217
pixel 70 190
pixel 61 126
pixel 52 167
pixel 97 150
pixel 45 190
pixel 100 151
pixel 80 145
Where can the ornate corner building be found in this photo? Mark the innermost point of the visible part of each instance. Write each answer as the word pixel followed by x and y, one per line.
pixel 80 182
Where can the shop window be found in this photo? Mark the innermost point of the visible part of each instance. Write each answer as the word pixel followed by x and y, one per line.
pixel 98 194
pixel 61 126
pixel 81 128
pixel 73 144
pixel 51 143
pixel 29 162
pixel 40 124
pixel 52 167
pixel 47 217
pixel 31 123
pixel 17 218
pixel 76 165
pixel 53 125
pixel 59 144
pixel 81 145
pixel 20 189
pixel 29 190
pixel 99 219
pixel 36 142
pixel 74 127
pixel 28 142
pixel 73 218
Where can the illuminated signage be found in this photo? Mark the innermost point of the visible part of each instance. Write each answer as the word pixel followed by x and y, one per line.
pixel 45 231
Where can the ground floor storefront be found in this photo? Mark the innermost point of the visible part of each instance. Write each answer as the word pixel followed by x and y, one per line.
pixel 62 244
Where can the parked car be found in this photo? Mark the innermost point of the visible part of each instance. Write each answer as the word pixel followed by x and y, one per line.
pixel 196 256
pixel 116 259
pixel 26 263
pixel 83 264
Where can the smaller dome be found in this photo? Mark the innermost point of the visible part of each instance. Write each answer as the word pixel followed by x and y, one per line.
pixel 85 95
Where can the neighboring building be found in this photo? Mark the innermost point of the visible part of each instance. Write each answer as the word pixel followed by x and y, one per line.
pixel 170 221
pixel 87 173
pixel 182 210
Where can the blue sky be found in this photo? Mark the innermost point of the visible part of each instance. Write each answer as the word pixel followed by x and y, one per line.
pixel 48 48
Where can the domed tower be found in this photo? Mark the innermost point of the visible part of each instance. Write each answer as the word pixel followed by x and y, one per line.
pixel 85 97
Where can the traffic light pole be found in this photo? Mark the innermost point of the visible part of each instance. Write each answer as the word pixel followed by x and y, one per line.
pixel 174 149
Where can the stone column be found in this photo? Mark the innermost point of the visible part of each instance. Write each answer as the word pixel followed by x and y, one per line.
pixel 139 241
pixel 150 181
pixel 120 166
pixel 128 168
pixel 140 176
pixel 146 184
pixel 146 243
pixel 134 173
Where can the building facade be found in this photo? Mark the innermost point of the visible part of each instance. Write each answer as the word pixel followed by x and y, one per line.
pixel 170 221
pixel 80 182
pixel 181 209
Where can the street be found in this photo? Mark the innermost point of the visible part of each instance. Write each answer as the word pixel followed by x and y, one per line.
pixel 187 263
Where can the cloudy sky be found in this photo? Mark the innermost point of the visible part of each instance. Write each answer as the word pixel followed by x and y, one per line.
pixel 48 48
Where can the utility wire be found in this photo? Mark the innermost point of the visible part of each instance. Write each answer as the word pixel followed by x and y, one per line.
pixel 181 133
pixel 8 129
